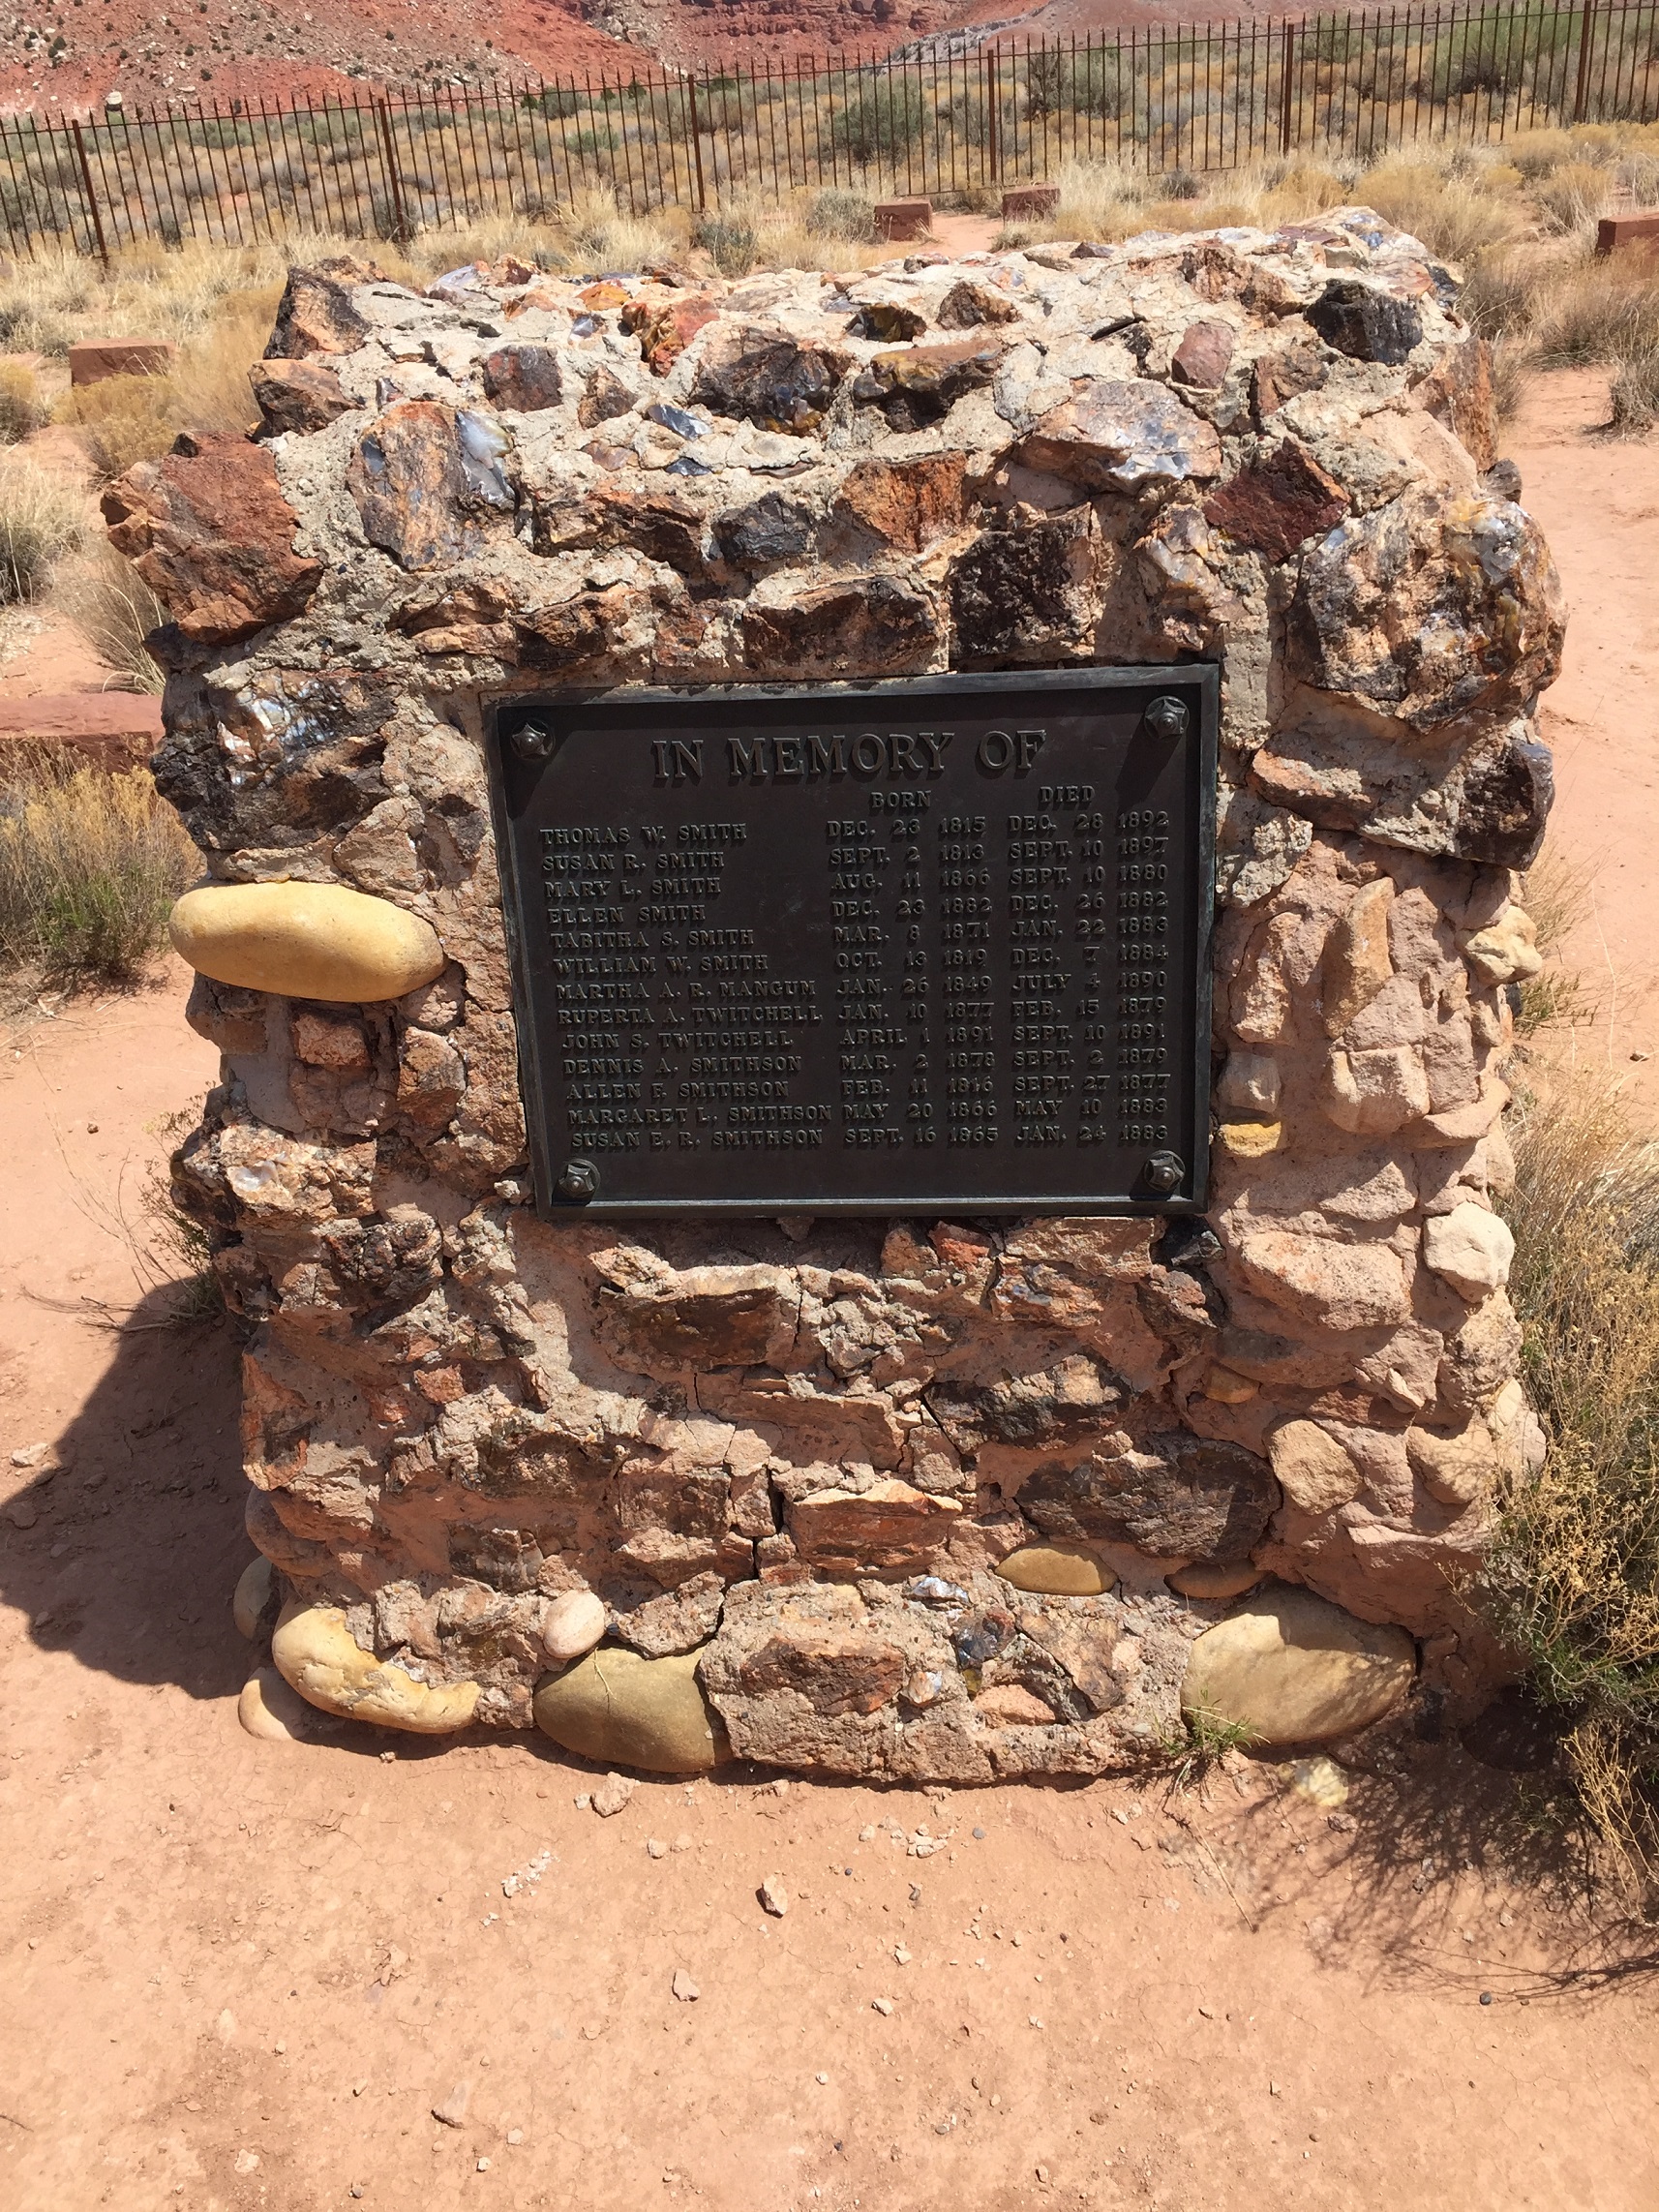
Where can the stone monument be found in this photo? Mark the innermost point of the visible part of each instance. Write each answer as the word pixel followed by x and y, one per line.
pixel 802 1470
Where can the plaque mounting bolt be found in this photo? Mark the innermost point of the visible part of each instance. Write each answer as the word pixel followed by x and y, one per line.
pixel 1165 1169
pixel 1169 718
pixel 534 741
pixel 580 1180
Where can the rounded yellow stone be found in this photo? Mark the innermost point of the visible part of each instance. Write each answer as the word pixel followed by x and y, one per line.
pixel 317 1655
pixel 1293 1668
pixel 617 1707
pixel 1214 1579
pixel 1056 1570
pixel 254 1588
pixel 305 940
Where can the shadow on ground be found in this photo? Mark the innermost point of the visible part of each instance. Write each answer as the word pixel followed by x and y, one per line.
pixel 137 1536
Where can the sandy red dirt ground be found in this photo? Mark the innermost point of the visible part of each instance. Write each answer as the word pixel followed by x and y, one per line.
pixel 240 1975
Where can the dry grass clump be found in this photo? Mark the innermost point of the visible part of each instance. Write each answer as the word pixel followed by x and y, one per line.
pixel 21 407
pixel 123 419
pixel 114 609
pixel 1572 1581
pixel 1460 216
pixel 89 865
pixel 1556 894
pixel 42 518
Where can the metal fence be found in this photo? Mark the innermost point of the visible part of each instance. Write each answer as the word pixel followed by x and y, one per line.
pixel 938 118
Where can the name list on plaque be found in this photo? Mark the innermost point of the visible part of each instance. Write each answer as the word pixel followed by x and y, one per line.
pixel 939 945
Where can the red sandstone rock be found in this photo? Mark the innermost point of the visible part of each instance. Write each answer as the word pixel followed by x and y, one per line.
pixel 523 377
pixel 1277 502
pixel 92 359
pixel 1204 356
pixel 901 219
pixel 298 395
pixel 905 503
pixel 1026 201
pixel 210 533
pixel 315 316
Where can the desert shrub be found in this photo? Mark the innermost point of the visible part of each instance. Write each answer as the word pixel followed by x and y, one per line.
pixel 1572 1581
pixel 600 236
pixel 20 406
pixel 114 609
pixel 1593 312
pixel 1511 376
pixel 881 120
pixel 729 239
pixel 848 215
pixel 1500 298
pixel 89 865
pixel 1571 195
pixel 42 518
pixel 1556 894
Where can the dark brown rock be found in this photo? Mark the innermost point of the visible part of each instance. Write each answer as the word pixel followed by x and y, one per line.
pixel 762 375
pixel 863 625
pixel 1431 609
pixel 396 1259
pixel 314 316
pixel 298 395
pixel 210 533
pixel 709 1317
pixel 1180 1495
pixel 920 384
pixel 1278 502
pixel 1277 378
pixel 1124 436
pixel 967 306
pixel 770 529
pixel 422 475
pixel 1204 356
pixel 886 321
pixel 1458 392
pixel 578 632
pixel 1503 810
pixel 837 1670
pixel 657 525
pixel 1062 1405
pixel 1024 594
pixel 604 398
pixel 1366 323
pixel 523 377
pixel 904 503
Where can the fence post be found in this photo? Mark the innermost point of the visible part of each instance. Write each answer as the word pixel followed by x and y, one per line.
pixel 1286 94
pixel 1581 93
pixel 993 129
pixel 91 196
pixel 388 147
pixel 696 143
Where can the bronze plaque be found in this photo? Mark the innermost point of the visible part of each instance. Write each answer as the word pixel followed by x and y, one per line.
pixel 937 946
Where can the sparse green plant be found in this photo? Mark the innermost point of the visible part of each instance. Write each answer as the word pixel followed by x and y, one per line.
pixel 729 241
pixel 89 865
pixel 839 214
pixel 1203 1740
